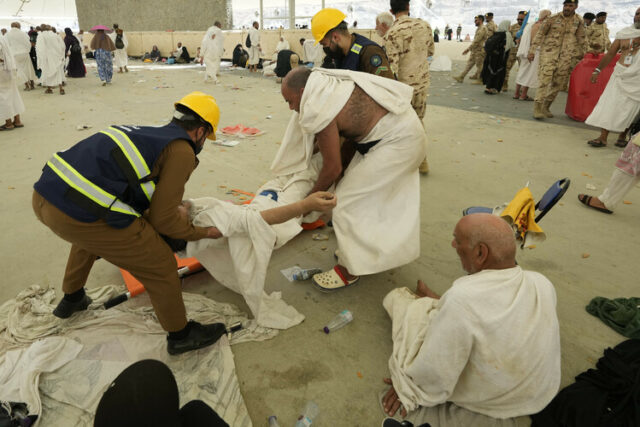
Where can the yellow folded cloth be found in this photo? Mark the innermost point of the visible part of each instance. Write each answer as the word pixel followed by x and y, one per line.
pixel 520 214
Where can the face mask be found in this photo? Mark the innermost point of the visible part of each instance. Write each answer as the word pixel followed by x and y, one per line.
pixel 200 143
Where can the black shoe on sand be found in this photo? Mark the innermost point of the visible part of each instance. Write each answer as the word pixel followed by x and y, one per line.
pixel 199 336
pixel 66 308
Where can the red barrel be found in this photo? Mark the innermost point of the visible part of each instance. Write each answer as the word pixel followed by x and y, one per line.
pixel 584 95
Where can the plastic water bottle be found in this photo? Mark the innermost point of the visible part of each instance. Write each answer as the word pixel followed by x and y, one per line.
pixel 273 421
pixel 339 321
pixel 306 274
pixel 311 411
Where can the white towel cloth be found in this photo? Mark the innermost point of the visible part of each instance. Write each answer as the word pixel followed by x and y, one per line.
pixel 240 259
pixel 528 71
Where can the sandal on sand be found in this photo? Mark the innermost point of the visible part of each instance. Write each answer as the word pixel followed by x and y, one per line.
pixel 515 97
pixel 61 91
pixel 18 126
pixel 528 98
pixel 332 280
pixel 48 91
pixel 597 143
pixel 621 143
pixel 4 127
pixel 585 199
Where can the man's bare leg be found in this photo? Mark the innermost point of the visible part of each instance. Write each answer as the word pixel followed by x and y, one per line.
pixel 49 89
pixel 524 92
pixel 423 290
pixel 516 95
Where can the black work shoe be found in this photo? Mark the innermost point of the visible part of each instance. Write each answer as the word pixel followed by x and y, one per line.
pixel 199 336
pixel 66 308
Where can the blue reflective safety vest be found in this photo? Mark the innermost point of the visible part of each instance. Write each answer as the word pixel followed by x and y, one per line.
pixel 107 174
pixel 352 60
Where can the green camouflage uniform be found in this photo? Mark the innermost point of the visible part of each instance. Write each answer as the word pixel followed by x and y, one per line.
pixel 562 45
pixel 598 35
pixel 512 53
pixel 409 42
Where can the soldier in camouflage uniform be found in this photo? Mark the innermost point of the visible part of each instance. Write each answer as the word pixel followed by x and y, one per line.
pixel 562 43
pixel 513 53
pixel 598 35
pixel 492 27
pixel 477 51
pixel 408 43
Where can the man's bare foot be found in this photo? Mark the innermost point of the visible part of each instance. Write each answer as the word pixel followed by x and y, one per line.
pixel 423 290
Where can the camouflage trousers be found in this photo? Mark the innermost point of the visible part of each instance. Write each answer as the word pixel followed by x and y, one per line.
pixel 477 59
pixel 552 79
pixel 510 62
pixel 419 101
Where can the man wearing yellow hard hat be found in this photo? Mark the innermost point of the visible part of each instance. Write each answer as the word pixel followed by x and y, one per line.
pixel 117 193
pixel 348 51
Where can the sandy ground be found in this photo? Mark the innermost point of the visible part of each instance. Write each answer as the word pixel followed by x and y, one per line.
pixel 478 157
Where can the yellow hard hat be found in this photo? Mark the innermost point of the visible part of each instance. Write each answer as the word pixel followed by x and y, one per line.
pixel 204 106
pixel 325 20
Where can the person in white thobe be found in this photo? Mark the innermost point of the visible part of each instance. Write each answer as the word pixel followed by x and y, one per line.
pixel 312 53
pixel 486 353
pixel 254 50
pixel 212 48
pixel 20 47
pixel 619 104
pixel 377 219
pixel 11 105
pixel 282 45
pixel 120 56
pixel 527 77
pixel 50 51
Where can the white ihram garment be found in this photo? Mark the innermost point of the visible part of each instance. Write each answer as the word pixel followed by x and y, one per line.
pixel 120 58
pixel 619 104
pixel 254 51
pixel 10 100
pixel 489 346
pixel 528 71
pixel 211 51
pixel 50 52
pixel 21 46
pixel 376 221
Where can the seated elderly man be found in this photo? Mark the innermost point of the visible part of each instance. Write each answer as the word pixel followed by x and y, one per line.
pixel 485 354
pixel 377 218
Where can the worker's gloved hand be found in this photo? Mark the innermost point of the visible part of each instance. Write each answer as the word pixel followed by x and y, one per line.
pixel 321 201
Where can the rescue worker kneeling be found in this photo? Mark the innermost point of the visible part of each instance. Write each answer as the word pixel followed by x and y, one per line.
pixel 113 194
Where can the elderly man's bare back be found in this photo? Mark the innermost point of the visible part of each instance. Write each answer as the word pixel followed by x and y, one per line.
pixel 359 116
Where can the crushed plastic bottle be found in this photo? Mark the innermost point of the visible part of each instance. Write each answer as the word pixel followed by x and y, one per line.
pixel 310 413
pixel 339 321
pixel 306 273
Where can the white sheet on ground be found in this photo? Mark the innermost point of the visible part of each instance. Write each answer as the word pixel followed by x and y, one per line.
pixel 440 63
pixel 113 339
pixel 458 350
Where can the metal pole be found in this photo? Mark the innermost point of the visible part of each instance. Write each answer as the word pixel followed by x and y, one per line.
pixel 261 10
pixel 292 14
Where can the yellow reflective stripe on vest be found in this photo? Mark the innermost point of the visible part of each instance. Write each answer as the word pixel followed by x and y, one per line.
pixel 78 182
pixel 135 158
pixel 356 48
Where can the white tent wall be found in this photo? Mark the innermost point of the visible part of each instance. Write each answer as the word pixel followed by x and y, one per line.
pixel 59 13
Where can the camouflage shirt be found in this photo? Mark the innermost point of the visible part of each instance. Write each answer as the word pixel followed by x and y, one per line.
pixel 409 42
pixel 481 36
pixel 492 27
pixel 598 38
pixel 514 30
pixel 560 39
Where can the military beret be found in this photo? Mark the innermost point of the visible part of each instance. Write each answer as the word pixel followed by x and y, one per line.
pixel 489 14
pixel 570 2
pixel 600 14
pixel 589 15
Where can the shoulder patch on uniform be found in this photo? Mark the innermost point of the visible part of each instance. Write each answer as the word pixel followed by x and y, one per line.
pixel 375 60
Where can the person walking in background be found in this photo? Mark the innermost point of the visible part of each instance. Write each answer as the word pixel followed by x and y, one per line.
pixel 497 48
pixel 102 45
pixel 73 50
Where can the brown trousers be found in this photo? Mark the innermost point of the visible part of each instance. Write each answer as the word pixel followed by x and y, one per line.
pixel 137 248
